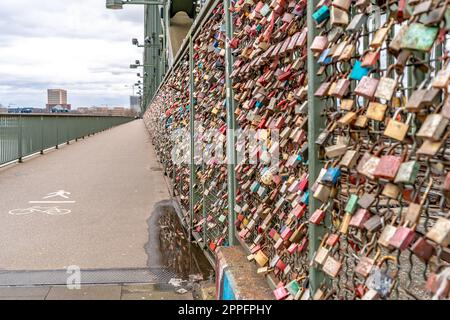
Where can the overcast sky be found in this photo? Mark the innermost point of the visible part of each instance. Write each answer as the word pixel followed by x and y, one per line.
pixel 76 45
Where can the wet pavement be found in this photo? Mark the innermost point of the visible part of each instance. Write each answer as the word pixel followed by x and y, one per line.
pixel 114 182
pixel 98 204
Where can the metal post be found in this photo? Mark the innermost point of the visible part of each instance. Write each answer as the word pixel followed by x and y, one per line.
pixel 165 34
pixel 19 141
pixel 191 131
pixel 147 58
pixel 42 135
pixel 57 133
pixel 315 122
pixel 231 126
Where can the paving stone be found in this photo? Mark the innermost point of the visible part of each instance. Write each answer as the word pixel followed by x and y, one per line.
pixel 22 293
pixel 151 292
pixel 98 292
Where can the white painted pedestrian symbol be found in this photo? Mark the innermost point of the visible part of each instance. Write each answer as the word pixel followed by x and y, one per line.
pixel 60 193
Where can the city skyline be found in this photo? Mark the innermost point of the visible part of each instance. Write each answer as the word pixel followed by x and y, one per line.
pixel 54 44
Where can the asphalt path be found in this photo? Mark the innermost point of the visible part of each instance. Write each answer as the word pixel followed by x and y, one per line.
pixel 114 181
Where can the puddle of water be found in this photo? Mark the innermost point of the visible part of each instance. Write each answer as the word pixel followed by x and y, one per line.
pixel 169 245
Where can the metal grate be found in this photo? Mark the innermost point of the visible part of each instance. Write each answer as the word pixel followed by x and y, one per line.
pixel 91 276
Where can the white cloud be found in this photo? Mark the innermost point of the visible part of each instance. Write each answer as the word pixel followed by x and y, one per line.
pixel 76 45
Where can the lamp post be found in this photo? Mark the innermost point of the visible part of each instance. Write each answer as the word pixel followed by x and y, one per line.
pixel 154 58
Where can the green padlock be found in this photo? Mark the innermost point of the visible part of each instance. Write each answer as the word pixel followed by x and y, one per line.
pixel 419 37
pixel 407 172
pixel 293 287
pixel 352 204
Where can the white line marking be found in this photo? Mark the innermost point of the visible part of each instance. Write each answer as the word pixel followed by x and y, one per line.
pixel 52 202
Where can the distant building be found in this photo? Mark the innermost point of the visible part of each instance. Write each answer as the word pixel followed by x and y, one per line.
pixel 3 110
pixel 135 103
pixel 119 111
pixel 57 98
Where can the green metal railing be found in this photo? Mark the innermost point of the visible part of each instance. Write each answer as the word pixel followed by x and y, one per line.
pixel 24 135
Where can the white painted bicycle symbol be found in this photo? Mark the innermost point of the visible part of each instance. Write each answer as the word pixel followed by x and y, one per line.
pixel 53 211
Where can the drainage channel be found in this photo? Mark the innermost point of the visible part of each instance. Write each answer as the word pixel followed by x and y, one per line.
pixel 93 276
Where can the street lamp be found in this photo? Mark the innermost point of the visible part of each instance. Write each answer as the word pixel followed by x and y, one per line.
pixel 135 66
pixel 147 41
pixel 153 52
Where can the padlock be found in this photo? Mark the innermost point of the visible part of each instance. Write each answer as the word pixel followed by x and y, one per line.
pixel 373 224
pixel 433 128
pixel 338 17
pixel 322 14
pixel 440 232
pixel 365 265
pixel 442 79
pixel 386 235
pixel 347 119
pixel 360 218
pixel 391 191
pixel 319 215
pixel 366 200
pixel 349 159
pixel 389 164
pixel 332 175
pixel 402 237
pixel 407 173
pixel 370 58
pixel 419 37
pixel 366 87
pixel 396 129
pixel 281 293
pixel 322 252
pixel 352 204
pixel 414 210
pixel 342 4
pixel 293 287
pixel 332 267
pixel 357 22
pixel 381 34
pixel 322 193
pixel 369 162
pixel 386 86
pixel 376 111
pixel 380 280
pixel 358 72
pixel 423 249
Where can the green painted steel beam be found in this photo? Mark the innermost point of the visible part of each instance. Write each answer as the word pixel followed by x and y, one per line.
pixel 191 135
pixel 315 124
pixel 231 128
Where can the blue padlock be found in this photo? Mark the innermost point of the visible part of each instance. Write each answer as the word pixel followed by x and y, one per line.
pixel 254 187
pixel 322 14
pixel 332 176
pixel 258 104
pixel 324 59
pixel 358 72
pixel 305 198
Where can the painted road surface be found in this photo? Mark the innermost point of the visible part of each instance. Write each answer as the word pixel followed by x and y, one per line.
pixel 86 204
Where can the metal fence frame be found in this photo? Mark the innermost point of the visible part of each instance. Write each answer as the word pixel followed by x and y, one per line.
pixel 24 135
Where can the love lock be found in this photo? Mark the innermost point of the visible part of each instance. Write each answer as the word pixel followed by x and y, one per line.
pixel 379 280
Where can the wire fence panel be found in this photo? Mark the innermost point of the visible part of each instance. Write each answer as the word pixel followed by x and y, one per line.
pixel 24 135
pixel 376 217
